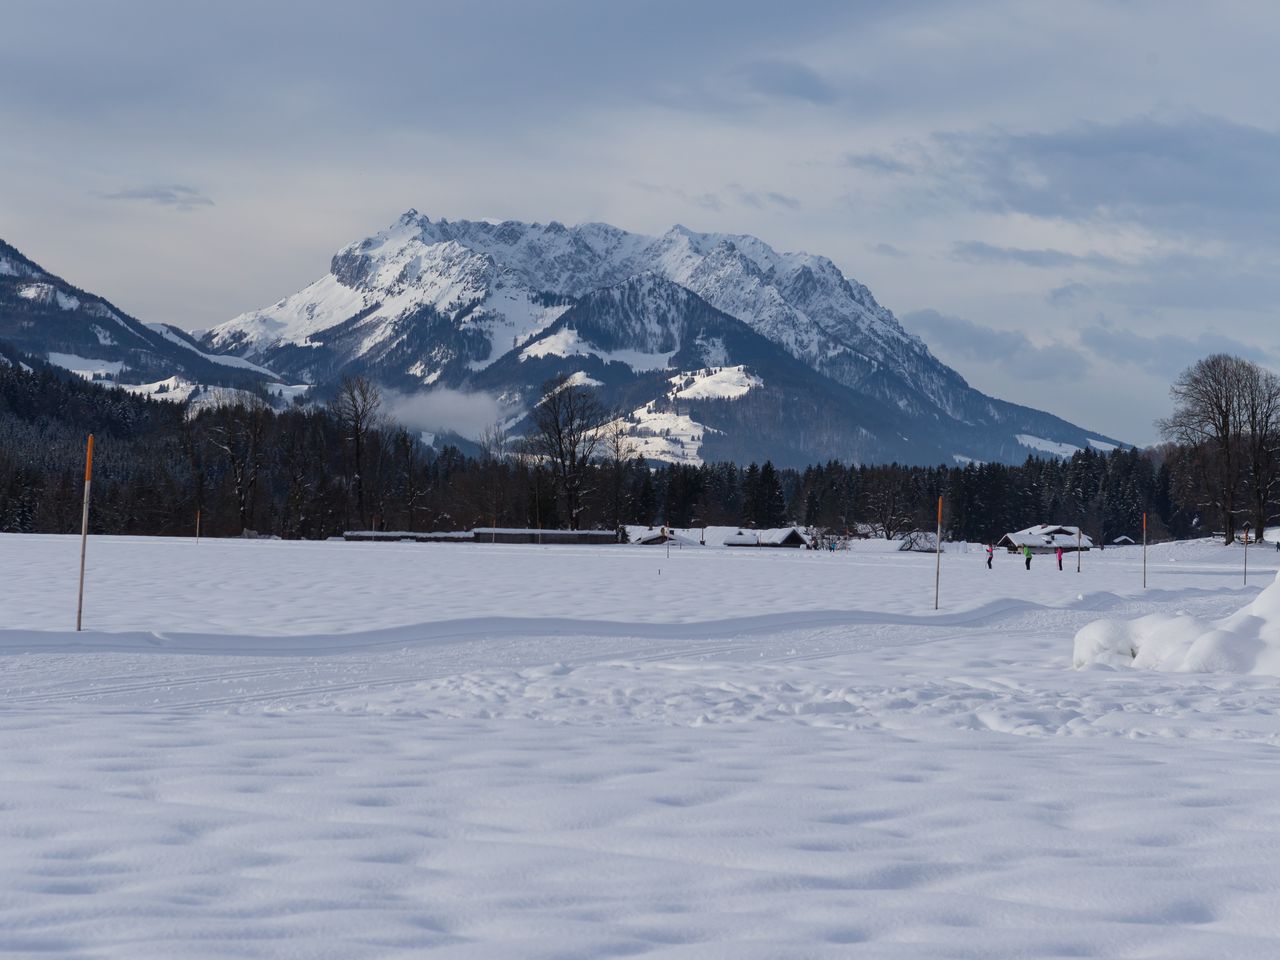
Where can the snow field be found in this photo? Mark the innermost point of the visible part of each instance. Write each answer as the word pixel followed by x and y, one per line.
pixel 379 750
pixel 1247 641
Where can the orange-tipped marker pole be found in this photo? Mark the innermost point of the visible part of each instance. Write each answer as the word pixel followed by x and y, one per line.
pixel 937 557
pixel 84 526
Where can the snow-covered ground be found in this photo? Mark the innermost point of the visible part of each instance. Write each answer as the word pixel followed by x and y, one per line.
pixel 349 750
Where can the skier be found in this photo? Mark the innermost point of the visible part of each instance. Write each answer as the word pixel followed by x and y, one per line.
pixel 1059 558
pixel 991 553
pixel 1026 555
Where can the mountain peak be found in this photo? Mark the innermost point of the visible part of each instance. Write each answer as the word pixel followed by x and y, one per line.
pixel 467 303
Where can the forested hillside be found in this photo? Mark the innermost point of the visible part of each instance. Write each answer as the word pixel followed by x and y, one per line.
pixel 312 473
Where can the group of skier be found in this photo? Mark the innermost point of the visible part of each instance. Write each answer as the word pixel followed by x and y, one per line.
pixel 1026 555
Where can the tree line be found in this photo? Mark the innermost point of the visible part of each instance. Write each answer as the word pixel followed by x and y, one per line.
pixel 315 471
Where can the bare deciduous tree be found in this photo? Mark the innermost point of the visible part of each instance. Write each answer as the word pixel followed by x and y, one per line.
pixel 1209 414
pixel 567 432
pixel 619 448
pixel 1260 412
pixel 356 407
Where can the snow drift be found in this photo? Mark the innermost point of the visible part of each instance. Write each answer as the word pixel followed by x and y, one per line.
pixel 1248 641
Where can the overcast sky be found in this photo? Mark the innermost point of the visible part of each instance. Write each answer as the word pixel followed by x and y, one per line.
pixel 1069 201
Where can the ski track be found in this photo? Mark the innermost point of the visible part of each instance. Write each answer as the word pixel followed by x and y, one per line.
pixel 738 767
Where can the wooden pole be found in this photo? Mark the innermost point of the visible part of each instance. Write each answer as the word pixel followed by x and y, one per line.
pixel 1246 555
pixel 1079 535
pixel 84 528
pixel 937 557
pixel 1144 551
pixel 198 525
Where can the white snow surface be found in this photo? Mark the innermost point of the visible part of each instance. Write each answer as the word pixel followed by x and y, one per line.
pixel 225 359
pixel 567 343
pixel 367 750
pixel 1047 446
pixel 48 293
pixel 661 430
pixel 1247 641
pixel 85 366
pixel 715 383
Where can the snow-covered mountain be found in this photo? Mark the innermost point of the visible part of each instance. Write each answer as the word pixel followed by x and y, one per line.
pixel 503 306
pixel 43 315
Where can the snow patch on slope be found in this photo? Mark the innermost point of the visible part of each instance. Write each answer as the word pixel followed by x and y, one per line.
pixel 660 434
pixel 48 293
pixel 716 383
pixel 1047 446
pixel 567 343
pixel 225 359
pixel 86 367
pixel 661 430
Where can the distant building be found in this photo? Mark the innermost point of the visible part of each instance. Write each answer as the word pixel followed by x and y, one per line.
pixel 1123 541
pixel 527 535
pixel 781 537
pixel 1045 538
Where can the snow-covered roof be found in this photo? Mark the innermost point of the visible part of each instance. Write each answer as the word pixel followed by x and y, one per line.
pixel 765 538
pixel 1047 535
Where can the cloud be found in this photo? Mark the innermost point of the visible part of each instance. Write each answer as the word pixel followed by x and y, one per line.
pixel 964 339
pixel 1164 355
pixel 707 201
pixel 975 251
pixel 173 195
pixel 761 200
pixel 788 80
pixel 888 250
pixel 1069 294
pixel 716 202
pixel 440 410
pixel 879 163
pixel 1196 172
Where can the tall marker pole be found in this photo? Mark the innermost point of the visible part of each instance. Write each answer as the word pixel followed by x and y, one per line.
pixel 1144 551
pixel 84 527
pixel 1246 554
pixel 197 525
pixel 1079 534
pixel 937 557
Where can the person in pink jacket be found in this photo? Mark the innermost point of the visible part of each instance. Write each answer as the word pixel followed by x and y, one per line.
pixel 1059 552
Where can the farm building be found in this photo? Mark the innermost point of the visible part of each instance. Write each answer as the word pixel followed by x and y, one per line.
pixel 1123 541
pixel 395 536
pixel 522 535
pixel 657 536
pixel 1045 538
pixel 781 537
pixel 488 535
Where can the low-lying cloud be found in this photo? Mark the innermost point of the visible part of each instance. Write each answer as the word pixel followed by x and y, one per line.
pixel 438 411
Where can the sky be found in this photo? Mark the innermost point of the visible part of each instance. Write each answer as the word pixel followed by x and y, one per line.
pixel 1070 203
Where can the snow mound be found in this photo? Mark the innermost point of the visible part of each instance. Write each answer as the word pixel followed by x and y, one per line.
pixel 1247 642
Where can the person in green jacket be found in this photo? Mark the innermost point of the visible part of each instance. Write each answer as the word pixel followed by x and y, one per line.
pixel 1026 555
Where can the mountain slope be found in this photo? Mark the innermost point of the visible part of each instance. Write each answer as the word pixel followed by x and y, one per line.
pixel 44 315
pixel 693 383
pixel 482 305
